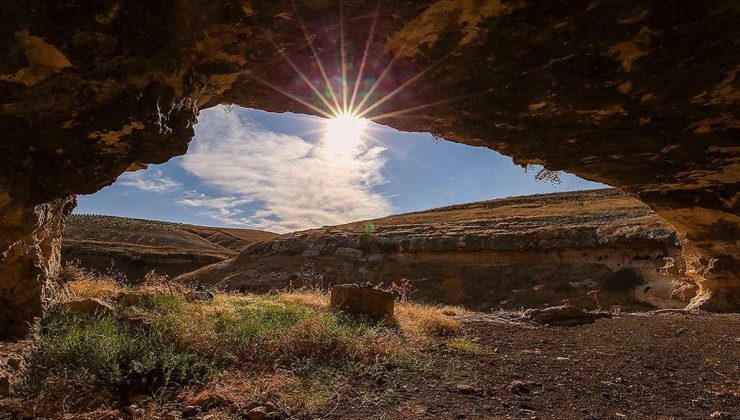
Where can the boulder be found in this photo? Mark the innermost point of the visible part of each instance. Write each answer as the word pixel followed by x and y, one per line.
pixel 362 299
pixel 377 258
pixel 351 254
pixel 562 315
pixel 88 306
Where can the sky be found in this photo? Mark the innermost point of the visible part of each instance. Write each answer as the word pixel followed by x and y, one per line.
pixel 285 172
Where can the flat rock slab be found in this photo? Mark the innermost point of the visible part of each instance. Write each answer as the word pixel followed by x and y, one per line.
pixel 88 306
pixel 562 315
pixel 360 299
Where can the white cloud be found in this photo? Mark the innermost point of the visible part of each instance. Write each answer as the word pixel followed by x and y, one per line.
pixel 289 183
pixel 150 180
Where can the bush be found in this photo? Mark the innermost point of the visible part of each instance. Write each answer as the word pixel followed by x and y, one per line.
pixel 103 352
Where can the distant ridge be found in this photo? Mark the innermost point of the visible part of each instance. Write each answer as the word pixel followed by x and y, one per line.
pixel 137 246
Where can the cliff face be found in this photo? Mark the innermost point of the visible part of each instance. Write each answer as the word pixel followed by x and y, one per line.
pixel 637 94
pixel 503 253
pixel 134 247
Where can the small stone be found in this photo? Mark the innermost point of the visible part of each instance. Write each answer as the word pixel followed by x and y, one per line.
pixel 518 388
pixel 258 413
pixel 88 306
pixel 189 410
pixel 722 415
pixel 466 389
pixel 172 415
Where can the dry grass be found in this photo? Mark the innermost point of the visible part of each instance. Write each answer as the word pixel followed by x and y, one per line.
pixel 286 348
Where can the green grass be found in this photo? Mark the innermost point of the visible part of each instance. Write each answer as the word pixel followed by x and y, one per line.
pixel 103 352
pixel 288 345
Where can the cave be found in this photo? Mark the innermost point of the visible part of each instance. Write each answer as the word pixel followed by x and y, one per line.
pixel 640 95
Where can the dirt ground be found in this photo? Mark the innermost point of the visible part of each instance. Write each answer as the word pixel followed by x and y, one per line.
pixel 642 366
pixel 655 365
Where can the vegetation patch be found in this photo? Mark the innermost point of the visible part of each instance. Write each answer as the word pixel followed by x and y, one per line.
pixel 288 348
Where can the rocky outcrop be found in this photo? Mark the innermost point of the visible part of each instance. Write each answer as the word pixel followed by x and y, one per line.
pixel 638 94
pixel 30 238
pixel 505 253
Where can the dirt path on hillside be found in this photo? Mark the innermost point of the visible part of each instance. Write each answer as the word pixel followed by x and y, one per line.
pixel 651 366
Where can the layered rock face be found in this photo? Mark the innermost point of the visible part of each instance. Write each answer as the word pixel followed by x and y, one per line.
pixel 638 94
pixel 507 253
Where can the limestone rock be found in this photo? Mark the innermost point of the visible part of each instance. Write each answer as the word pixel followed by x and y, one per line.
pixel 88 306
pixel 377 258
pixel 351 254
pixel 361 299
pixel 562 315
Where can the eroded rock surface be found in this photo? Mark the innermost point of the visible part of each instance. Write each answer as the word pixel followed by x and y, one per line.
pixel 637 94
pixel 506 253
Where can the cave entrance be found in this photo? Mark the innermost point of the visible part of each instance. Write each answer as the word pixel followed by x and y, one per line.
pixel 282 173
pixel 286 172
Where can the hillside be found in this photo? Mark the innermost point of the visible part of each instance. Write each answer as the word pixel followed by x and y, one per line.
pixel 532 250
pixel 135 246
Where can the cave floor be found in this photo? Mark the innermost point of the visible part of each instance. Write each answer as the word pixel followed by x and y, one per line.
pixel 651 365
pixel 654 365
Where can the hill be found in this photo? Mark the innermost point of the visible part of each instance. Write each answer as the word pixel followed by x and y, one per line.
pixel 135 246
pixel 532 250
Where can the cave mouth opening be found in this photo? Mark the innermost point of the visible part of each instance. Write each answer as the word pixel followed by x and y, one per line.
pixel 285 172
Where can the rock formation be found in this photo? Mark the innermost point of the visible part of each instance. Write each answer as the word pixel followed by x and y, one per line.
pixel 500 254
pixel 641 95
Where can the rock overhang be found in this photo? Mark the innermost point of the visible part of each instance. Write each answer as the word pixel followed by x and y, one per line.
pixel 641 95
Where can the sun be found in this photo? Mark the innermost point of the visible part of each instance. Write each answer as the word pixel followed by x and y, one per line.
pixel 344 134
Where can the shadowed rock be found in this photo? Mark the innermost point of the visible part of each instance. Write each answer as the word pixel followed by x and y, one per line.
pixel 359 299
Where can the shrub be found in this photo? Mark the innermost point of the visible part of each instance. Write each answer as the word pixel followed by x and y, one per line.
pixel 103 352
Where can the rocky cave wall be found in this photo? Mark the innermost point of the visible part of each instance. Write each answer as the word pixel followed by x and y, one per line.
pixel 642 95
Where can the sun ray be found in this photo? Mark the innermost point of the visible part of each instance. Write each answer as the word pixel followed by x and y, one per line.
pixel 364 58
pixel 423 106
pixel 395 91
pixel 379 79
pixel 301 74
pixel 343 57
pixel 291 96
pixel 309 39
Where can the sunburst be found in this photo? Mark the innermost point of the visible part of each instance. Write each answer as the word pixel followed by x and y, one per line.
pixel 348 112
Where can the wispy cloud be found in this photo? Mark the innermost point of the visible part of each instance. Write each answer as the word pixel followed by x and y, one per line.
pixel 150 180
pixel 279 182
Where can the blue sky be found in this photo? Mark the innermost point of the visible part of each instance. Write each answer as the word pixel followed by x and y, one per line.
pixel 281 172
